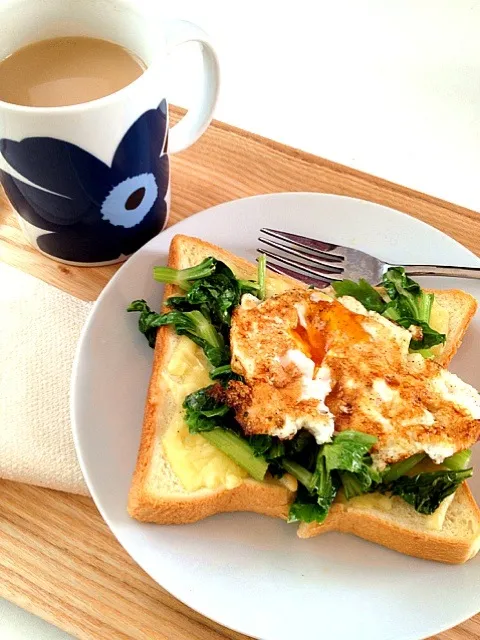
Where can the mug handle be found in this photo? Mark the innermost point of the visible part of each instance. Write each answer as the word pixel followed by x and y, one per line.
pixel 196 120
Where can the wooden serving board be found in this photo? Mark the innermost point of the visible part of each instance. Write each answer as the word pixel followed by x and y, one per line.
pixel 58 559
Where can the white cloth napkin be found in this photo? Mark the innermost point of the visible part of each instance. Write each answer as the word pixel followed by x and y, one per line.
pixel 39 329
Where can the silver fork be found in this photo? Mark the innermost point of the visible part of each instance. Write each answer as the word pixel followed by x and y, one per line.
pixel 322 263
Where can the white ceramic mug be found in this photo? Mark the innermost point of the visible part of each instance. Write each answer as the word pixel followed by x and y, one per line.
pixel 90 181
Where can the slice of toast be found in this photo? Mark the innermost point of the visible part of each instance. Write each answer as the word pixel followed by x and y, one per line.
pixel 401 528
pixel 157 494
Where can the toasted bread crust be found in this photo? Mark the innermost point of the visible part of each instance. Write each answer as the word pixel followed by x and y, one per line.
pixel 426 544
pixel 271 497
pixel 266 498
pixel 462 307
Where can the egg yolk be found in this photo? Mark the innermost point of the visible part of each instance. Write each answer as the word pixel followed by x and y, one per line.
pixel 333 320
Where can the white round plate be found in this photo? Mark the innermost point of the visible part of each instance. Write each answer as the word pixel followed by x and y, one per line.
pixel 245 571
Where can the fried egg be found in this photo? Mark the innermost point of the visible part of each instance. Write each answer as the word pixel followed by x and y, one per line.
pixel 310 361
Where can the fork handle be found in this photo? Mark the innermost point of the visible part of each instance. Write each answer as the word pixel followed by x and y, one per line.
pixel 449 272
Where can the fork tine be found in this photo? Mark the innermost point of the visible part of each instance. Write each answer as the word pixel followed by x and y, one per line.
pixel 327 275
pixel 306 243
pixel 320 283
pixel 329 260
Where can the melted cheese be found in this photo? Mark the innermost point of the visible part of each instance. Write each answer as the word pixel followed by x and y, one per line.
pixel 439 320
pixel 375 501
pixel 380 502
pixel 196 462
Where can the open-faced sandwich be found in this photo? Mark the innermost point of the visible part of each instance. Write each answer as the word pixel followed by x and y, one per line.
pixel 331 408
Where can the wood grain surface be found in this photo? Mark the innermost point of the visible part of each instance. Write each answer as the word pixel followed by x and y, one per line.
pixel 58 559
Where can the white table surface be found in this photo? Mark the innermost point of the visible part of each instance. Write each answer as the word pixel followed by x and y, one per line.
pixel 391 88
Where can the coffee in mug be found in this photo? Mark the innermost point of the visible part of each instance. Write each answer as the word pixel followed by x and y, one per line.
pixel 64 71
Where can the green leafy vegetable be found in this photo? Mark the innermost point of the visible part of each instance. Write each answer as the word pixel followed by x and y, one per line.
pixel 316 493
pixel 215 294
pixel 238 450
pixel 429 337
pixel 302 440
pixel 276 450
pixel 426 491
pixel 249 286
pixel 194 324
pixel 211 294
pixel 305 508
pixel 272 449
pixel 179 303
pixel 326 486
pixel 262 276
pixel 191 323
pixel 458 461
pixel 204 312
pixel 344 461
pixel 148 320
pixel 302 448
pixel 348 453
pixel 203 411
pixel 399 286
pixel 183 277
pixel 408 305
pixel 352 485
pixel 224 372
pixel 300 473
pixel 401 468
pixel 199 329
pixel 260 444
pixel 219 293
pixel 363 292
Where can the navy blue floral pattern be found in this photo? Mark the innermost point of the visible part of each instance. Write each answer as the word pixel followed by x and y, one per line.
pixel 92 212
